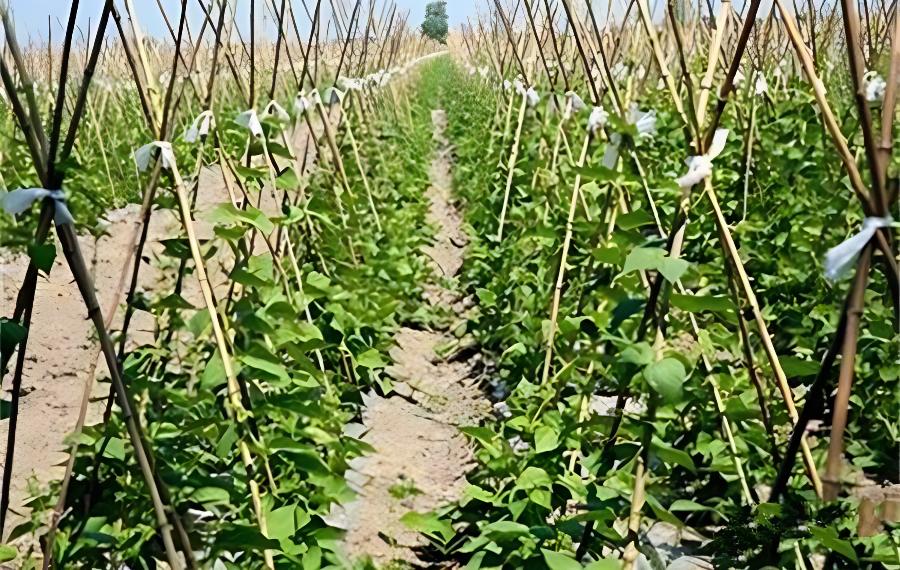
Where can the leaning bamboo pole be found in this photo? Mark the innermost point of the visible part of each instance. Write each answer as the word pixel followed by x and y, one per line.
pixel 561 272
pixel 236 407
pixel 511 164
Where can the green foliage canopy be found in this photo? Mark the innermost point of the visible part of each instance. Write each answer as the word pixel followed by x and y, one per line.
pixel 435 24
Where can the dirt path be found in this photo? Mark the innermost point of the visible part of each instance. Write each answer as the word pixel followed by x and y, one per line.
pixel 420 458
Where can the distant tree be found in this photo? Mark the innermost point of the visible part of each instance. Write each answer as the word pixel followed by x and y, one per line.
pixel 435 24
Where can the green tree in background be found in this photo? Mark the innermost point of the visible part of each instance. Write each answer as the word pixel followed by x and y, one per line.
pixel 435 24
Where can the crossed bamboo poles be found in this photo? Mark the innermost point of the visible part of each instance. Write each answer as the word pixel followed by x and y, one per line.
pixel 573 204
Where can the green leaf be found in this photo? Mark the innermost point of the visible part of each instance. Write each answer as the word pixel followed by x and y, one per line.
pixel 545 439
pixel 213 373
pixel 287 180
pixel 597 172
pixel 673 268
pixel 605 564
pixel 242 538
pixel 317 285
pixel 654 258
pixel 227 214
pixel 370 359
pixel 115 449
pixel 11 334
pixel 640 353
pixel 430 525
pixel 248 173
pixel 795 367
pixel 226 442
pixel 179 248
pixel 42 255
pixel 533 477
pixel 312 560
pixel 506 529
pixel 211 496
pixel 309 331
pixel 633 220
pixel 175 301
pixel 281 522
pixel 559 561
pixel 625 309
pixel 487 297
pixel 643 259
pixel 7 553
pixel 247 278
pixel 305 456
pixel 484 436
pixel 671 455
pixel 265 365
pixel 700 303
pixel 829 539
pixel 666 377
pixel 687 505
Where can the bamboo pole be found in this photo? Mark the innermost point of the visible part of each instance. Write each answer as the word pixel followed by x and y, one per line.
pixel 511 165
pixel 561 274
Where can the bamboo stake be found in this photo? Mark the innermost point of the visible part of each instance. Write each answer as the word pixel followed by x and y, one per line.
pixel 511 164
pixel 236 406
pixel 561 274
pixel 854 310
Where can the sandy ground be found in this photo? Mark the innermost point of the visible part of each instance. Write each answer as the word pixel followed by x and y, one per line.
pixel 420 458
pixel 63 355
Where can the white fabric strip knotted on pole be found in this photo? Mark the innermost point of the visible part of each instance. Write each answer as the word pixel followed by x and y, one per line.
pixel 643 121
pixel 18 201
pixel 250 120
pixel 315 97
pixel 840 259
pixel 762 86
pixel 301 105
pixel 532 96
pixel 519 87
pixel 875 86
pixel 597 120
pixel 645 124
pixel 699 167
pixel 333 96
pixel 200 127
pixel 144 155
pixel 277 111
pixel 574 104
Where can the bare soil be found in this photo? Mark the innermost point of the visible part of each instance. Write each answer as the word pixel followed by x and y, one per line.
pixel 420 457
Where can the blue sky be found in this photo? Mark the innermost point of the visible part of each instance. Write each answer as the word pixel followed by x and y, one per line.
pixel 30 16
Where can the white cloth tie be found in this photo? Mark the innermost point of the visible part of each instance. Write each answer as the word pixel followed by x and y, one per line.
pixel 597 120
pixel 840 259
pixel 250 120
pixel 277 111
pixel 700 167
pixel 144 155
pixel 18 201
pixel 200 127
